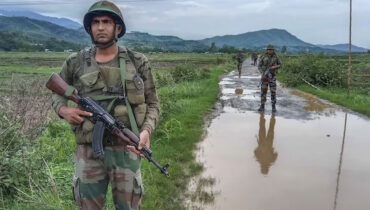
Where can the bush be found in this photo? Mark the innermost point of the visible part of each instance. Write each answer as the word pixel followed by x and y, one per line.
pixel 185 72
pixel 316 69
pixel 19 163
pixel 163 78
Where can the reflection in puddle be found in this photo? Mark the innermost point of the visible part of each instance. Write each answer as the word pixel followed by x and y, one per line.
pixel 238 91
pixel 232 91
pixel 292 165
pixel 340 163
pixel 265 153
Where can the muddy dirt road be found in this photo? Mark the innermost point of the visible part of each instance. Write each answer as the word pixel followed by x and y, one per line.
pixel 311 155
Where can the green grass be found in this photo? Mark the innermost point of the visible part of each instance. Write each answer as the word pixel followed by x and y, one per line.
pixel 175 139
pixel 184 106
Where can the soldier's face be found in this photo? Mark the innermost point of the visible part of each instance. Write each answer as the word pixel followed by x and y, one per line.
pixel 270 52
pixel 102 29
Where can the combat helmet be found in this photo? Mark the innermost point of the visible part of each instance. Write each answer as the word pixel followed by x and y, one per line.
pixel 270 47
pixel 105 8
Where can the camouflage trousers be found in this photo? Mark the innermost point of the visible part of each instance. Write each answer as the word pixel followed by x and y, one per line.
pixel 240 69
pixel 254 61
pixel 119 167
pixel 265 83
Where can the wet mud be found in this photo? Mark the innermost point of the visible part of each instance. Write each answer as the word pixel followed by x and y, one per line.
pixel 310 155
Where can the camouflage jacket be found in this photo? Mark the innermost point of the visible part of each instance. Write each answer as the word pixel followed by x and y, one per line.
pixel 265 61
pixel 81 71
pixel 254 56
pixel 240 57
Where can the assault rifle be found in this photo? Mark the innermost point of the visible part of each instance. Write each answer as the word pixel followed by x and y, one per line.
pixel 103 121
pixel 266 75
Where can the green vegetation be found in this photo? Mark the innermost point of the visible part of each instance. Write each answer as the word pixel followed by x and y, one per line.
pixel 37 148
pixel 329 74
pixel 18 42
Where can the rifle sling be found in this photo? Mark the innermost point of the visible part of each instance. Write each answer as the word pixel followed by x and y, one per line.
pixel 128 106
pixel 69 91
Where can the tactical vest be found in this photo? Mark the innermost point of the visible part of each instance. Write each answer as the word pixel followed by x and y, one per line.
pixel 104 85
pixel 269 61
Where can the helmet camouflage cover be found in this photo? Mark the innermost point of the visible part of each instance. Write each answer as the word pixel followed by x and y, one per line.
pixel 270 47
pixel 104 8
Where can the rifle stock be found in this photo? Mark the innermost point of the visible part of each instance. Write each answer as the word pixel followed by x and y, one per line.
pixel 56 84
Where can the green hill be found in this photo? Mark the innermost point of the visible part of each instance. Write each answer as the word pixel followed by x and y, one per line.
pixel 258 39
pixel 41 30
pixel 344 48
pixel 149 42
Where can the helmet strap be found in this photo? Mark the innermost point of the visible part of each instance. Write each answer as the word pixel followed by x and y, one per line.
pixel 116 31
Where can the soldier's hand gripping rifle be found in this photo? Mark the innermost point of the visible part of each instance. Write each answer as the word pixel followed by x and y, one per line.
pixel 103 121
pixel 266 75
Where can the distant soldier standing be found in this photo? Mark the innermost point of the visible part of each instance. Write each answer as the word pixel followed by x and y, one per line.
pixel 240 59
pixel 121 81
pixel 254 58
pixel 268 65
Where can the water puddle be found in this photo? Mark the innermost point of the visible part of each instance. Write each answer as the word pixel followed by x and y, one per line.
pixel 226 82
pixel 313 103
pixel 232 91
pixel 298 159
pixel 267 162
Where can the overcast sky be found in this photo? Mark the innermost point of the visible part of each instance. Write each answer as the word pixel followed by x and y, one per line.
pixel 314 21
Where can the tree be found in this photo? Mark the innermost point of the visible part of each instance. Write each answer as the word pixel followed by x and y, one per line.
pixel 213 47
pixel 283 49
pixel 228 49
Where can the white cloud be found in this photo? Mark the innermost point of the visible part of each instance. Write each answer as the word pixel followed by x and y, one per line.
pixel 190 4
pixel 256 7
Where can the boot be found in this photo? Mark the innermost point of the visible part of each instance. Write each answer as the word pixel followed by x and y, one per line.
pixel 273 108
pixel 262 108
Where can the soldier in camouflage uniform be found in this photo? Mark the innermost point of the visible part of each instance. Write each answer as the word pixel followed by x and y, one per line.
pixel 240 59
pixel 121 81
pixel 268 64
pixel 254 58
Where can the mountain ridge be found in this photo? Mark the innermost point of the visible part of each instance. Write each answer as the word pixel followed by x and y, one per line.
pixel 38 31
pixel 258 39
pixel 65 22
pixel 345 47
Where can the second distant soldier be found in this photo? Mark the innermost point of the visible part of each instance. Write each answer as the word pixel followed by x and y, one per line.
pixel 268 65
pixel 240 59
pixel 254 58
